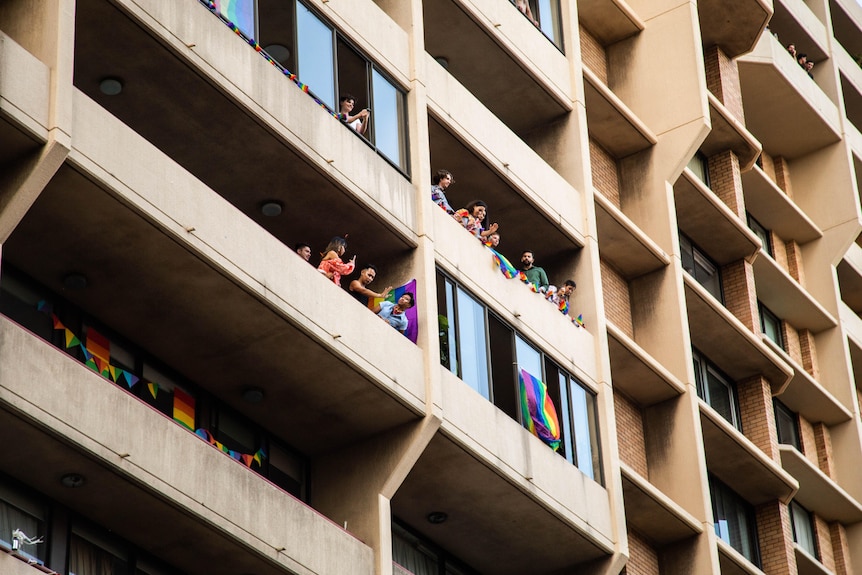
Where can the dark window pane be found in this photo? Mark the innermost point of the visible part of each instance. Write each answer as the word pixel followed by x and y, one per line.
pixel 734 520
pixel 315 53
pixel 786 424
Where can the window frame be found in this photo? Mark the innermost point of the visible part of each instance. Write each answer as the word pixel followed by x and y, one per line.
pixel 799 518
pixel 699 166
pixel 703 370
pixel 690 252
pixel 761 232
pixel 766 315
pixel 790 418
pixel 724 498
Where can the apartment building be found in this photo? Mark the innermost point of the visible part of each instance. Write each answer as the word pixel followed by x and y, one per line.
pixel 181 393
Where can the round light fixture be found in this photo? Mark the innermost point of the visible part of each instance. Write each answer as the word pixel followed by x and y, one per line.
pixel 111 86
pixel 73 480
pixel 443 61
pixel 437 517
pixel 75 281
pixel 252 395
pixel 271 208
pixel 278 52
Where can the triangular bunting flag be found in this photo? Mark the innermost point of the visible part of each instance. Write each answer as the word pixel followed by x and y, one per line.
pixel 154 389
pixel 71 340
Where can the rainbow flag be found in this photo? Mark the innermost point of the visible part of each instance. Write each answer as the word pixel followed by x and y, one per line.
pixel 98 345
pixel 537 409
pixel 412 332
pixel 505 265
pixel 184 409
pixel 238 12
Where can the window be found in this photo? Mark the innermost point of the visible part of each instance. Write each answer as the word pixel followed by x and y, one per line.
pixel 547 14
pixel 21 511
pixel 762 233
pixel 770 325
pixel 95 551
pixel 716 389
pixel 700 267
pixel 734 520
pixel 488 354
pixel 787 425
pixel 330 66
pixel 803 529
pixel 699 165
pixel 415 555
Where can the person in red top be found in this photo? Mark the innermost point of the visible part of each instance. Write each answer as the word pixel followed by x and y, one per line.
pixel 331 262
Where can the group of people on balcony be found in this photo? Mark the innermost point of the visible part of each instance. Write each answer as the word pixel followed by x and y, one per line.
pixel 472 218
pixel 333 267
pixel 801 59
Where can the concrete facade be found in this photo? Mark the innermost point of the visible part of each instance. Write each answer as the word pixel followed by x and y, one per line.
pixel 671 157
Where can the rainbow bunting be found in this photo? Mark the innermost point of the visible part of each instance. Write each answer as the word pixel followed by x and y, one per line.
pixel 45 307
pixel 239 13
pixel 184 409
pixel 131 379
pixel 563 306
pixel 412 332
pixel 537 409
pixel 505 265
pixel 259 456
pixel 579 321
pixel 98 345
pixel 154 389
pixel 71 340
pixel 57 323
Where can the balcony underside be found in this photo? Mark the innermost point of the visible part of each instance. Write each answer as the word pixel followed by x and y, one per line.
pixel 185 312
pixel 775 210
pixel 487 69
pixel 493 526
pixel 15 145
pixel 121 505
pixel 609 20
pixel 736 35
pixel 215 137
pixel 652 513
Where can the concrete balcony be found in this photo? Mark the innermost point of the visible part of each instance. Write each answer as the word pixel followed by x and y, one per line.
pixel 24 101
pixel 850 278
pixel 808 565
pixel 637 373
pixel 728 343
pixel 189 278
pixel 501 58
pixel 710 224
pixel 806 396
pixel 733 562
pixel 817 491
pixel 514 485
pixel 740 464
pixel 609 20
pixel 652 512
pixel 624 244
pixel 528 198
pixel 239 125
pixel 611 123
pixel 847 24
pixel 73 420
pixel 795 22
pixel 787 299
pixel 471 264
pixel 728 133
pixel 736 36
pixel 775 210
pixel 15 564
pixel 787 111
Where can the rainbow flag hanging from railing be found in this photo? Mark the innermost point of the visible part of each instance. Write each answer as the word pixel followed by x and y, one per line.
pixel 506 267
pixel 238 12
pixel 411 314
pixel 537 409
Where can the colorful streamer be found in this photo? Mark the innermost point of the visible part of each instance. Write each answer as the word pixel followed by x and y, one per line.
pixel 244 458
pixel 184 409
pixel 537 410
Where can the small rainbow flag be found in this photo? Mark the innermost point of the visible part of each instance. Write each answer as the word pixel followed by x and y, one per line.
pixel 238 12
pixel 505 265
pixel 537 409
pixel 184 409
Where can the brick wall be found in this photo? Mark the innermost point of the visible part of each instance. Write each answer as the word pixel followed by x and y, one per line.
pixel 782 175
pixel 606 176
pixel 740 299
pixel 768 166
pixel 823 442
pixel 725 180
pixel 823 538
pixel 794 261
pixel 775 538
pixel 630 434
pixel 778 254
pixel 809 353
pixel 643 559
pixel 722 79
pixel 791 342
pixel 807 440
pixel 593 54
pixel 840 549
pixel 758 415
pixel 618 304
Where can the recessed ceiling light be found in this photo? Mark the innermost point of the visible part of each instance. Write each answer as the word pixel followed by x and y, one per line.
pixel 75 281
pixel 271 208
pixel 252 394
pixel 111 86
pixel 278 52
pixel 437 517
pixel 73 480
